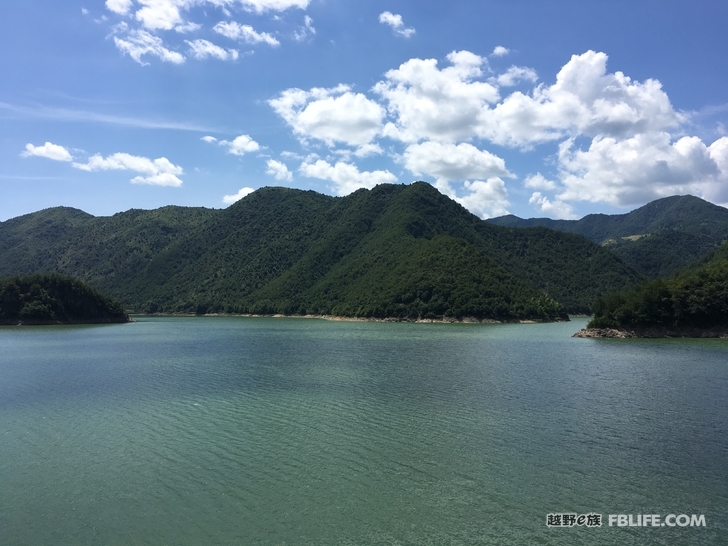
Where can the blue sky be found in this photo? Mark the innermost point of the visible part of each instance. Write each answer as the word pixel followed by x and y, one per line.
pixel 553 108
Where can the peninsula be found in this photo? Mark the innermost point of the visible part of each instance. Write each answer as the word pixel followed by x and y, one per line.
pixel 55 299
pixel 693 303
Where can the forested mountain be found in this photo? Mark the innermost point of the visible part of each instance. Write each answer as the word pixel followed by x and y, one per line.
pixel 55 299
pixel 696 297
pixel 393 251
pixel 658 239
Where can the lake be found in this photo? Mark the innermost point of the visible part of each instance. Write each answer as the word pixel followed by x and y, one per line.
pixel 282 431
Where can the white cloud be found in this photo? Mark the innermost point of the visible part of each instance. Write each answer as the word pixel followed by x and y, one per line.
pixel 49 151
pixel 121 7
pixel 345 176
pixel 260 6
pixel 84 11
pixel 209 139
pixel 429 103
pixel 453 162
pixel 159 172
pixel 331 115
pixel 451 104
pixel 305 30
pixel 140 42
pixel 539 182
pixel 241 145
pixel 584 100
pixel 187 27
pixel 202 49
pixel 161 14
pixel 367 150
pixel 245 33
pixel 165 14
pixel 500 51
pixel 485 199
pixel 230 199
pixel 279 170
pixel 515 75
pixel 395 21
pixel 642 168
pixel 557 209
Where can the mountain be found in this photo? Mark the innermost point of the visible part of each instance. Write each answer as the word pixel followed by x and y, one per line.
pixel 393 251
pixel 696 298
pixel 657 240
pixel 55 299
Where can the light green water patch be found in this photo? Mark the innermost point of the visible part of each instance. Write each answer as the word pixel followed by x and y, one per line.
pixel 231 430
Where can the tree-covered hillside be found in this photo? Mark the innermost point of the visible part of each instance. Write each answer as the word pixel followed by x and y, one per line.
pixel 393 251
pixel 55 299
pixel 657 240
pixel 697 297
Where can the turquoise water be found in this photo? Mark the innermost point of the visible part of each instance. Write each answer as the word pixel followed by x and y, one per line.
pixel 192 431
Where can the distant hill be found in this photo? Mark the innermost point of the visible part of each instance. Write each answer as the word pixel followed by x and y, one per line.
pixel 658 239
pixel 694 301
pixel 55 299
pixel 393 251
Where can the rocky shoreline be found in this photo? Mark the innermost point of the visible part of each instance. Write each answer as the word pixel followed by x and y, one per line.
pixel 443 320
pixel 654 332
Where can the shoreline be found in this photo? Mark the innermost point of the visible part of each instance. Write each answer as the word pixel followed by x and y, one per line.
pixel 654 332
pixel 65 322
pixel 338 318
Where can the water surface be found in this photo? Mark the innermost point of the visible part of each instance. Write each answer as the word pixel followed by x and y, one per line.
pixel 216 430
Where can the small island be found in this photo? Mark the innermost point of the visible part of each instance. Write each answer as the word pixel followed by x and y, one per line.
pixel 55 299
pixel 693 303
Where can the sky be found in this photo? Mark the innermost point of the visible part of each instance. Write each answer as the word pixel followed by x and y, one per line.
pixel 539 108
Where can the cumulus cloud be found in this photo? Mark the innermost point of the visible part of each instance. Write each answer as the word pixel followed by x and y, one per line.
pixel 557 209
pixel 500 51
pixel 330 115
pixel 49 151
pixel 486 199
pixel 139 43
pixel 279 170
pixel 230 199
pixel 452 104
pixel 122 7
pixel 516 74
pixel 209 139
pixel 158 172
pixel 633 171
pixel 453 162
pixel 621 141
pixel 539 182
pixel 202 49
pixel 245 33
pixel 161 14
pixel 585 100
pixel 395 22
pixel 345 176
pixel 429 103
pixel 367 150
pixel 241 145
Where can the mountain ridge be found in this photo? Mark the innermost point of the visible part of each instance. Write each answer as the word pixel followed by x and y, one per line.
pixel 393 251
pixel 657 239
